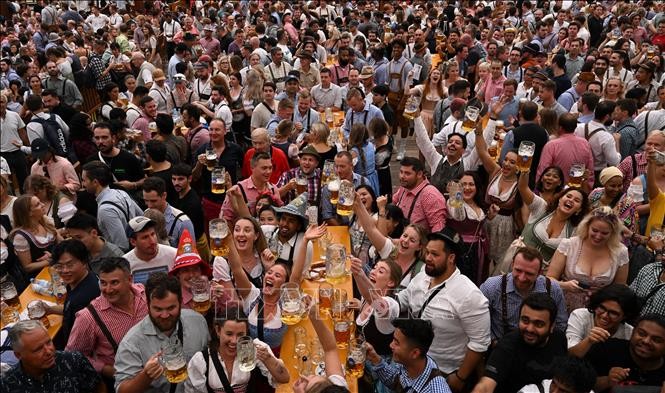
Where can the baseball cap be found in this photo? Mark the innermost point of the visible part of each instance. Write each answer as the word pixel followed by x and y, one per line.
pixel 138 224
pixel 39 147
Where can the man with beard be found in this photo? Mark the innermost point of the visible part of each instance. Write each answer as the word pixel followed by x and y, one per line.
pixel 308 168
pixel 147 256
pixel 639 361
pixel 137 363
pixel 290 230
pixel 64 87
pixel 278 69
pixel 603 144
pixel 524 356
pixel 190 203
pixel 148 107
pixel 458 310
pixel 340 71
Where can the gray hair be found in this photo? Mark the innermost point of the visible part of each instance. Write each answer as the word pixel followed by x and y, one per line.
pixel 19 329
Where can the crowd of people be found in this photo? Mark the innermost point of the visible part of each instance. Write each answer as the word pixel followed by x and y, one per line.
pixel 522 249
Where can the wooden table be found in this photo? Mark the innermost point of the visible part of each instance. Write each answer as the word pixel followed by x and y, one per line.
pixel 339 234
pixel 29 295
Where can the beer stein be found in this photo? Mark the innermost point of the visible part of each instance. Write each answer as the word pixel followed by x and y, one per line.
pixel 336 264
pixel 333 187
pixel 312 214
pixel 327 172
pixel 330 118
pixel 301 184
pixel 470 118
pixel 218 230
pixel 246 354
pixel 576 175
pixel 275 246
pixel 324 242
pixel 200 288
pixel 291 303
pixel 218 180
pixel 525 152
pixel 211 159
pixel 8 314
pixel 341 320
pixel 37 312
pixel 10 295
pixel 340 303
pixel 412 106
pixel 152 127
pixel 173 361
pixel 346 195
pixel 493 150
pixel 455 198
pixel 325 298
pixel 355 360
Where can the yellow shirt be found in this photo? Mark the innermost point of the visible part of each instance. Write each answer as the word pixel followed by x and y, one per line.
pixel 657 212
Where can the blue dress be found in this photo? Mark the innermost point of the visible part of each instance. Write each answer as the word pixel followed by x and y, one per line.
pixel 369 168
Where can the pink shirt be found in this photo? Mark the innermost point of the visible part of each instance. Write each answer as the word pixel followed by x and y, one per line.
pixel 60 171
pixel 429 211
pixel 142 124
pixel 251 195
pixel 86 336
pixel 493 88
pixel 209 45
pixel 566 150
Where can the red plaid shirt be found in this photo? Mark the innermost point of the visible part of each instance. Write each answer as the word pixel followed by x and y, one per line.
pixel 429 211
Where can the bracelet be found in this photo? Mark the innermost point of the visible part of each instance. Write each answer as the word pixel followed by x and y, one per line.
pixel 458 377
pixel 491 118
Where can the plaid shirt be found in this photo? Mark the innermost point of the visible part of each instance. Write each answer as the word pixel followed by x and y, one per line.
pixel 388 373
pixel 98 68
pixel 629 173
pixel 313 185
pixel 647 280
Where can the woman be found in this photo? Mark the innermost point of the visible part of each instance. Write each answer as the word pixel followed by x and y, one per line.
pixel 501 196
pixel 254 60
pixel 241 121
pixel 482 76
pixel 548 223
pixel 562 40
pixel 81 136
pixel 606 316
pixel 613 89
pixel 283 141
pixel 224 65
pixel 129 81
pixel 380 130
pixel 450 75
pixel 360 244
pixel 431 92
pixel 36 87
pixel 267 216
pixel 469 222
pixel 360 45
pixel 611 195
pixel 218 366
pixel 592 259
pixel 253 91
pixel 33 235
pixel 406 250
pixel 149 46
pixel 318 138
pixel 549 184
pixel 110 99
pixel 363 154
pixel 59 207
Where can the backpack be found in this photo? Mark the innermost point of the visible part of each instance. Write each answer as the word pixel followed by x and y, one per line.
pixel 84 77
pixel 55 137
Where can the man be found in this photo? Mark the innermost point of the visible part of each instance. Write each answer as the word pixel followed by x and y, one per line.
pixel 510 103
pixel 59 170
pixel 636 165
pixel 507 292
pixel 378 62
pixel 144 77
pixel 648 287
pixel 209 43
pixel 566 150
pixel 458 310
pixel 284 112
pixel 161 92
pixel 524 356
pixel 137 361
pixel 96 20
pixel 115 209
pixel 176 221
pixel 266 108
pixel 278 69
pixel 546 93
pixel 134 111
pixel 453 124
pixel 304 116
pixel 309 75
pixel 83 227
pixel 344 170
pixel 189 202
pixel 616 69
pixel 126 170
pixel 13 135
pixel 420 203
pixel 257 183
pixel 639 361
pixel 530 130
pixel 216 107
pixel 421 57
pixel 493 86
pixel 261 144
pixel 603 145
pixel 326 94
pixel 380 100
pixel 100 68
pixel 55 105
pixel 572 95
pixel 147 255
pixel 525 89
pixel 574 60
pixel 459 89
pixel 626 134
pixel 291 87
pixel 569 374
pixel 396 75
pixel 354 83
pixel 66 88
pixel 171 27
pixel 587 105
pixel 359 111
pixel 148 106
pixel 197 135
pixel 308 169
pixel 513 70
pixel 644 78
pixel 290 231
pixel 366 78
pixel 47 126
pixel 42 368
pixel 411 368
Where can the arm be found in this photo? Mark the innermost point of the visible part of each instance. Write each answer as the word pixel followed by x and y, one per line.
pixel 425 145
pixel 485 385
pixel 611 152
pixel 129 361
pixel 327 339
pixel 242 283
pixel 365 286
pixel 239 205
pixel 375 236
pixel 313 232
pixel 523 188
pixel 72 184
pixel 25 258
pixel 481 148
pixel 382 222
pixel 621 276
pixel 82 339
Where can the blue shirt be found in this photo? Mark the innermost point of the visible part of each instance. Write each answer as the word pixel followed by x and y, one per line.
pixel 510 109
pixel 175 227
pixel 368 113
pixel 568 98
pixel 310 117
pixel 388 372
pixel 329 211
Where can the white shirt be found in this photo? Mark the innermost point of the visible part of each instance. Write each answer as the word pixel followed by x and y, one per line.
pixel 35 130
pixel 222 111
pixel 162 262
pixel 162 95
pixel 534 389
pixel 10 124
pixel 171 29
pixel 97 22
pixel 580 323
pixel 602 145
pixel 327 97
pixel 459 314
pixel 623 74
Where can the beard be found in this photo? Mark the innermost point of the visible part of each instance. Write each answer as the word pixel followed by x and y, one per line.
pixel 435 271
pixel 165 324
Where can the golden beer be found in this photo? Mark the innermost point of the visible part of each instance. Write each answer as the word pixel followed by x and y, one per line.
pixel 468 125
pixel 13 302
pixel 123 101
pixel 493 150
pixel 355 365
pixel 301 185
pixel 211 161
pixel 218 187
pixel 576 175
pixel 201 303
pixel 342 333
pixel 9 314
pixel 525 153
pixel 176 374
pixel 524 163
pixel 291 312
pixel 217 247
pixel 344 210
pixel 333 187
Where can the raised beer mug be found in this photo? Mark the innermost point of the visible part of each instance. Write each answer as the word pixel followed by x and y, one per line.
pixel 455 198
pixel 336 263
pixel 9 295
pixel 333 187
pixel 576 175
pixel 355 360
pixel 200 288
pixel 173 361
pixel 525 152
pixel 291 303
pixel 246 354
pixel 470 118
pixel 218 229
pixel 412 106
pixel 218 180
pixel 301 184
pixel 346 195
pixel 211 159
pixel 327 172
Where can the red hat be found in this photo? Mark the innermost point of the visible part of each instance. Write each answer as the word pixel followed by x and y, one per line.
pixel 188 256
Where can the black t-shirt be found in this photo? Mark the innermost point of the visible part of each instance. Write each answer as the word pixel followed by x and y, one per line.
pixel 616 353
pixel 231 160
pixel 171 193
pixel 125 166
pixel 65 112
pixel 77 299
pixel 536 134
pixel 191 205
pixel 514 364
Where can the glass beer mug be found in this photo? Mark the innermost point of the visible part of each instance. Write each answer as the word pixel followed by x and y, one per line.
pixel 200 288
pixel 301 184
pixel 291 303
pixel 325 298
pixel 173 360
pixel 327 172
pixel 10 295
pixel 525 152
pixel 336 264
pixel 218 230
pixel 455 198
pixel 470 118
pixel 37 312
pixel 333 187
pixel 346 195
pixel 576 175
pixel 211 159
pixel 218 180
pixel 355 360
pixel 341 318
pixel 246 354
pixel 412 106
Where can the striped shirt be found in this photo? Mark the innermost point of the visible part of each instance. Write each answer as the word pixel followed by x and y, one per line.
pixel 86 336
pixel 648 279
pixel 389 372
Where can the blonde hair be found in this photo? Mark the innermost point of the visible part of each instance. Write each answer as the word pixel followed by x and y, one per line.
pixel 621 87
pixel 320 132
pixel 606 214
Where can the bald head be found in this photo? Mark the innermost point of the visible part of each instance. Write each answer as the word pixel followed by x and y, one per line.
pixel 254 42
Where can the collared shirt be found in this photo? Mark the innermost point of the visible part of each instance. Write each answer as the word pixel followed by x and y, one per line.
pixel 459 314
pixel 568 98
pixel 113 219
pixel 251 194
pixel 573 65
pixel 277 74
pixel 60 171
pixel 630 137
pixel 98 66
pixel 625 75
pixel 648 121
pixel 176 223
pixel 388 372
pixel 492 88
pixel 651 88
pixel 70 93
pixel 309 79
pixel 429 210
pixel 327 97
pixel 288 248
pixel 379 71
pixel 564 151
pixel 72 373
pixel 328 210
pixel 163 96
pixel 647 280
pixel 352 117
pixel 87 337
pixel 144 340
pixel 340 75
pixel 556 107
pixel 313 184
pixel 280 163
pixel 629 171
pixel 492 291
pixel 602 145
pixel 175 59
pixel 310 117
pixel 401 67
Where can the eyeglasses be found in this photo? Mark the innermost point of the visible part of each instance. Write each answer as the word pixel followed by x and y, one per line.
pixel 600 309
pixel 59 267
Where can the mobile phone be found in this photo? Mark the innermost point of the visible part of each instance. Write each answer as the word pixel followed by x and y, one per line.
pixel 583 285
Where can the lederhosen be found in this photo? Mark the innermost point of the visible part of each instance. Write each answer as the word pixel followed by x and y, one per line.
pixel 202 97
pixel 395 98
pixel 343 80
pixel 353 115
pixel 280 79
pixel 166 102
pixel 506 69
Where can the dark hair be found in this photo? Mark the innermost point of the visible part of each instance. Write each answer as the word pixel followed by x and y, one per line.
pixel 627 104
pixel 145 100
pixel 110 264
pixel 560 61
pixel 371 192
pixel 568 122
pixel 164 123
pixel 604 108
pixel 591 100
pixel 479 198
pixel 259 156
pixel 107 91
pixel 78 127
pixel 74 247
pixel 140 91
pixel 539 184
pixel 652 317
pixel 459 86
pixel 577 217
pixel 82 221
pixel 576 374
pixel 529 111
pixel 181 169
pixel 34 102
pixel 540 301
pixel 627 299
pixel 156 150
pixel 193 111
pixel 50 92
pixel 154 183
pixel 97 170
pixel 529 253
pixel 418 332
pixel 395 213
pixel 159 284
pixel 413 162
